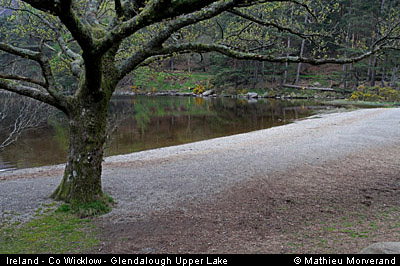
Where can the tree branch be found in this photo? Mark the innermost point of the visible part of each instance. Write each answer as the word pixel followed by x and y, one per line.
pixel 79 31
pixel 64 10
pixel 200 47
pixel 274 25
pixel 165 10
pixel 30 115
pixel 387 36
pixel 172 27
pixel 75 65
pixel 30 92
pixel 51 6
pixel 49 84
pixel 306 7
pixel 77 60
pixel 21 52
pixel 25 79
pixel 118 8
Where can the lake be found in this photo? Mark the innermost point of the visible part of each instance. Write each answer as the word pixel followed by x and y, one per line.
pixel 143 122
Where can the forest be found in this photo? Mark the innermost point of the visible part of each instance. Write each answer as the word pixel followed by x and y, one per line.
pixel 291 31
pixel 317 29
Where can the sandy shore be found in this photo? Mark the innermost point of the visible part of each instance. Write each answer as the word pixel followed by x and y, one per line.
pixel 163 179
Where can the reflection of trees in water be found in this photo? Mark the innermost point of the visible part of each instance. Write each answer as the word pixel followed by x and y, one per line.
pixel 143 109
pixel 185 119
pixel 217 113
pixel 19 114
pixel 258 114
pixel 140 123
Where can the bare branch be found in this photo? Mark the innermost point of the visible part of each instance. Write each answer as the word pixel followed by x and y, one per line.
pixel 19 114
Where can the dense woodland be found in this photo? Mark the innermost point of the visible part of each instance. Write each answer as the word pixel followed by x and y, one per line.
pixel 73 55
pixel 320 29
pixel 353 27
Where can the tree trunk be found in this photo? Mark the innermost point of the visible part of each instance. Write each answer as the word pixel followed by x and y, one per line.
pixel 235 66
pixel 286 64
pixel 393 80
pixel 373 71
pixel 262 74
pixel 344 78
pixel 285 75
pixel 299 64
pixel 255 74
pixel 87 113
pixel 383 75
pixel 188 64
pixel 303 42
pixel 369 68
pixel 82 176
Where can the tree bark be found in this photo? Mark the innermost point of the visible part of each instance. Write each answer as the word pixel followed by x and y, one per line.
pixel 285 75
pixel 82 176
pixel 384 72
pixel 369 68
pixel 303 42
pixel 393 80
pixel 344 77
pixel 287 63
pixel 262 74
pixel 373 71
pixel 87 113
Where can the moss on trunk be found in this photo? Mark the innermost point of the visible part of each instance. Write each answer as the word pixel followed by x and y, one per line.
pixel 87 112
pixel 82 177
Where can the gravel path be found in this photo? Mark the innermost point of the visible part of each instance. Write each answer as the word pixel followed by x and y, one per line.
pixel 153 180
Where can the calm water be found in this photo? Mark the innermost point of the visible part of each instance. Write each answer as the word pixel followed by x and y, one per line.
pixel 143 123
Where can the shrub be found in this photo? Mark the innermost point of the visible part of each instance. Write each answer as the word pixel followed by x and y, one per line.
pixel 375 94
pixel 199 89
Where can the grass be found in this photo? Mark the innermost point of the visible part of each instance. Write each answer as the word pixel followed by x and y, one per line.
pixel 364 104
pixel 51 231
pixel 64 229
pixel 148 80
pixel 90 209
pixel 333 233
pixel 356 226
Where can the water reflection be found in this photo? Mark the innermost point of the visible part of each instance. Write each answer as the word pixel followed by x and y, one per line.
pixel 141 123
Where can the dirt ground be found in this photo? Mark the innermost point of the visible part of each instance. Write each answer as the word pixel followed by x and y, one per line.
pixel 336 206
pixel 327 184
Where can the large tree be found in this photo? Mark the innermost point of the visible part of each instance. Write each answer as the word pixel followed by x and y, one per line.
pixel 103 41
